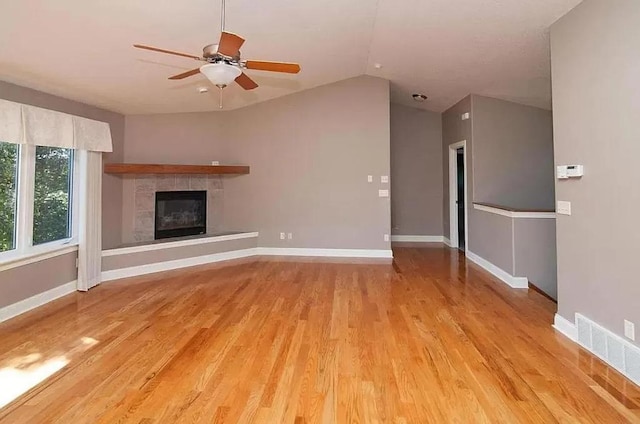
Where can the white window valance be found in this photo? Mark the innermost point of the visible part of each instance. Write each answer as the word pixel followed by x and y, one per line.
pixel 24 124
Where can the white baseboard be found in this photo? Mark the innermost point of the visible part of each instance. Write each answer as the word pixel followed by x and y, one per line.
pixel 566 327
pixel 40 299
pixel 134 271
pixel 608 346
pixel 504 276
pixel 446 241
pixel 330 253
pixel 418 239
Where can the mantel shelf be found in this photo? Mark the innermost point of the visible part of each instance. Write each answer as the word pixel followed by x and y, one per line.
pixel 149 168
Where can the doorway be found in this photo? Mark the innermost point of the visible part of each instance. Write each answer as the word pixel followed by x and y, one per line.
pixel 458 215
pixel 460 200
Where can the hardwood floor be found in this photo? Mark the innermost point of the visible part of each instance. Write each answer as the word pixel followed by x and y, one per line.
pixel 426 339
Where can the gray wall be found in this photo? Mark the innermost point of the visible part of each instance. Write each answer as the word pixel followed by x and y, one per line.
pixel 454 129
pixel 111 185
pixel 22 282
pixel 310 154
pixel 176 138
pixel 416 171
pixel 534 244
pixel 492 237
pixel 596 99
pixel 513 154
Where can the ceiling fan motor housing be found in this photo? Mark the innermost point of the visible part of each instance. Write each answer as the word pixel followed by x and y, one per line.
pixel 210 52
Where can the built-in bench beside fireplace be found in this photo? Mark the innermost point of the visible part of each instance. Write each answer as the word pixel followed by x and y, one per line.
pixel 180 213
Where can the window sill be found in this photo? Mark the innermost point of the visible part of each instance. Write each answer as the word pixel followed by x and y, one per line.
pixel 37 254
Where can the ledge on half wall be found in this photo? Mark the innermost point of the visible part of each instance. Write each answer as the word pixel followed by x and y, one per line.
pixel 417 239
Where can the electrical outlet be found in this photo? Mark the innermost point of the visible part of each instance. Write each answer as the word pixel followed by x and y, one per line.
pixel 386 237
pixel 384 179
pixel 369 178
pixel 290 236
pixel 629 330
pixel 282 236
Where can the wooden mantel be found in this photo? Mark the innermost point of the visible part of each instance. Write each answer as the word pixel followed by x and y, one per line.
pixel 149 168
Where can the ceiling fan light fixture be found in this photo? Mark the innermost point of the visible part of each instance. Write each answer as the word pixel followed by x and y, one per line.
pixel 220 74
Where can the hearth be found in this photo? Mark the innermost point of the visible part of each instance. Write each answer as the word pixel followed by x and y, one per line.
pixel 180 213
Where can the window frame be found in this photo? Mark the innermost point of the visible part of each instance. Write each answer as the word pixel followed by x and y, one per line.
pixel 25 192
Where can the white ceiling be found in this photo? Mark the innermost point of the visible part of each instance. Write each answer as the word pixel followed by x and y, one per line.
pixel 446 49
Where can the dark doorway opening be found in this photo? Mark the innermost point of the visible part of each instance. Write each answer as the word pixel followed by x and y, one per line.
pixel 460 203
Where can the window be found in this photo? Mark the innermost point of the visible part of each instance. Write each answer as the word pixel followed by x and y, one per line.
pixel 36 198
pixel 52 194
pixel 8 193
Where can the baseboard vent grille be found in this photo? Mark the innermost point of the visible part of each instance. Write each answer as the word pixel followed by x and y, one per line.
pixel 611 348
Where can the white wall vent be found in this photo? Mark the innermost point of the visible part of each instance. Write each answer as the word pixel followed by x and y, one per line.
pixel 632 363
pixel 615 352
pixel 584 331
pixel 611 348
pixel 599 341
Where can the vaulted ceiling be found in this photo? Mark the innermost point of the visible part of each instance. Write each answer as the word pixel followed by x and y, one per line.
pixel 446 49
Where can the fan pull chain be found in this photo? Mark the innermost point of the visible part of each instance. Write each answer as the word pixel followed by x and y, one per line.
pixel 220 97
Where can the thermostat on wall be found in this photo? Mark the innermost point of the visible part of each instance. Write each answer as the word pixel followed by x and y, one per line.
pixel 570 171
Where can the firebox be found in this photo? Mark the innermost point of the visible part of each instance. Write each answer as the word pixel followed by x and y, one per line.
pixel 180 213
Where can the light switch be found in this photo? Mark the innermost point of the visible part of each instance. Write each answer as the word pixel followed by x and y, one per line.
pixel 465 116
pixel 370 178
pixel 383 193
pixel 384 179
pixel 564 208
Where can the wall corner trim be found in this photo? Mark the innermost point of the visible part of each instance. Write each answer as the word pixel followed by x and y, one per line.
pixel 502 275
pixel 418 239
pixel 512 214
pixel 39 299
pixel 446 241
pixel 565 327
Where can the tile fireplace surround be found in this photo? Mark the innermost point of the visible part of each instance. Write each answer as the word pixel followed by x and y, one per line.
pixel 145 188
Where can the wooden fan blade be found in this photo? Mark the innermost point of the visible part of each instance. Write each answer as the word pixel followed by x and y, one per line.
pixel 155 49
pixel 245 82
pixel 230 44
pixel 185 74
pixel 261 65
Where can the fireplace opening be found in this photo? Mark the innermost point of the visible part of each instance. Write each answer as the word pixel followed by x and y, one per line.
pixel 180 213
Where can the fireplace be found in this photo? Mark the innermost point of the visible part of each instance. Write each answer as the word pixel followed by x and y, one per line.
pixel 180 213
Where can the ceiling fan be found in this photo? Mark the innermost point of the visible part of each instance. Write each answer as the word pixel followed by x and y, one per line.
pixel 224 63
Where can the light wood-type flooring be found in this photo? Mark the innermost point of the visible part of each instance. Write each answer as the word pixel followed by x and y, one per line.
pixel 425 339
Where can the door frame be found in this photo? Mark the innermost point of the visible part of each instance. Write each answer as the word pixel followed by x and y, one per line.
pixel 453 195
